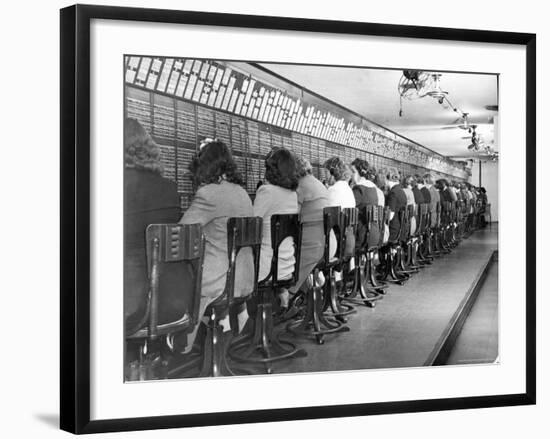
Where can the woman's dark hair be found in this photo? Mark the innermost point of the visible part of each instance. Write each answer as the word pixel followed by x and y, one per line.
pixel 362 166
pixel 407 180
pixel 140 150
pixel 337 168
pixel 482 190
pixel 212 162
pixel 372 174
pixel 380 180
pixel 280 169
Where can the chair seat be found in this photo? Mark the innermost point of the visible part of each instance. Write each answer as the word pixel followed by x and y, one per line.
pixel 167 328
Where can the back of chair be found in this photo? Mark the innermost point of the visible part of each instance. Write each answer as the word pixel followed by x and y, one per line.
pixel 375 222
pixel 424 215
pixel 404 224
pixel 446 213
pixel 285 226
pixel 350 221
pixel 384 214
pixel 332 221
pixel 242 232
pixel 173 249
pixel 412 213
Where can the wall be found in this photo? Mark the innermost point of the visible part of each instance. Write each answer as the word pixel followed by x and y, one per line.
pixel 489 180
pixel 179 125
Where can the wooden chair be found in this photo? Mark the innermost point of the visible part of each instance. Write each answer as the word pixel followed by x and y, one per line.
pixel 411 264
pixel 372 222
pixel 170 248
pixel 315 323
pixel 334 297
pixel 404 259
pixel 455 222
pixel 446 225
pixel 437 232
pixel 262 346
pixel 392 252
pixel 462 229
pixel 242 232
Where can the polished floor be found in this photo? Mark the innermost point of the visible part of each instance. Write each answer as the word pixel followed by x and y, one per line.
pixel 405 327
pixel 478 340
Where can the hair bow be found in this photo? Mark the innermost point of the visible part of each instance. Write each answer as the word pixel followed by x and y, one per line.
pixel 206 141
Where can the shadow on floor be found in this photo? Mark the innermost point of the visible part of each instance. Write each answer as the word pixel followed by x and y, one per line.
pixel 50 419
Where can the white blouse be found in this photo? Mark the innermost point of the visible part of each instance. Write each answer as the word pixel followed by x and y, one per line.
pixel 340 194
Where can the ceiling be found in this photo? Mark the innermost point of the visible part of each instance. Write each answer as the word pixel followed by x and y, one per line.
pixel 373 93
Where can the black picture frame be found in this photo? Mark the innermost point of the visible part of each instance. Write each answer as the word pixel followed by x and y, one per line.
pixel 75 216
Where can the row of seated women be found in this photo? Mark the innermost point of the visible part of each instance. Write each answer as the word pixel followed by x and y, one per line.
pixel 290 189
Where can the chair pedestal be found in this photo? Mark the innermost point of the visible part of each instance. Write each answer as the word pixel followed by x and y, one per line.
pixel 404 258
pixel 212 360
pixel 152 363
pixel 263 346
pixel 315 323
pixel 411 264
pixel 379 288
pixel 333 297
pixel 361 294
pixel 442 247
pixel 392 255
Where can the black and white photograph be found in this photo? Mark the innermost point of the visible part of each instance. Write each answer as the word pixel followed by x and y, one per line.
pixel 284 218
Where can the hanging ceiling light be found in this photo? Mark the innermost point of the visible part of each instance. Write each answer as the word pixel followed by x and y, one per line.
pixel 436 92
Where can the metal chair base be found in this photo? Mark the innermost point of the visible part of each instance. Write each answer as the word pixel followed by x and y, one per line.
pixel 315 323
pixel 263 346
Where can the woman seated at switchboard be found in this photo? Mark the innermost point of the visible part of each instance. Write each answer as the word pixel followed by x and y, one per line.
pixel 366 193
pixel 312 199
pixel 340 194
pixel 339 191
pixel 446 193
pixel 396 201
pixel 220 195
pixel 381 183
pixel 433 196
pixel 407 184
pixel 149 198
pixel 421 185
pixel 277 196
pixel 483 205
pixel 417 183
pixel 453 189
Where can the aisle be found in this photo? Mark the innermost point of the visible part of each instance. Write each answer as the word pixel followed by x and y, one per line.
pixel 406 325
pixel 478 340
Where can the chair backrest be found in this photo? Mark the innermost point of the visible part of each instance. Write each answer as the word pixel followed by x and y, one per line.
pixel 446 213
pixel 284 226
pixel 404 222
pixel 412 213
pixel 374 216
pixel 423 217
pixel 242 232
pixel 349 221
pixel 168 245
pixel 384 213
pixel 332 221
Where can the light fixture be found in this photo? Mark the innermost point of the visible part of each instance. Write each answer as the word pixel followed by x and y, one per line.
pixel 436 92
